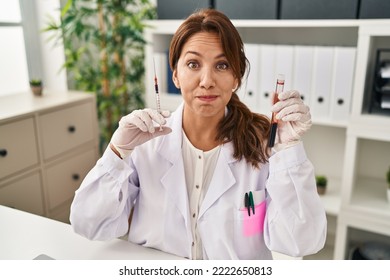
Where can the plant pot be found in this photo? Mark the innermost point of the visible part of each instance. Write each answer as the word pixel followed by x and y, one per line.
pixel 37 90
pixel 321 190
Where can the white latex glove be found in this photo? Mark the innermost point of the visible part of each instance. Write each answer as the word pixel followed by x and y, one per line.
pixel 137 127
pixel 293 117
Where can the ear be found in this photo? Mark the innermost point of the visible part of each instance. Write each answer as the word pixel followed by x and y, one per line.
pixel 235 85
pixel 175 79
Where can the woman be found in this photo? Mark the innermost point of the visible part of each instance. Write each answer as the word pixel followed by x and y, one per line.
pixel 188 183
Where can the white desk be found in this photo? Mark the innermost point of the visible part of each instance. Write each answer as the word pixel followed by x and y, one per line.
pixel 24 236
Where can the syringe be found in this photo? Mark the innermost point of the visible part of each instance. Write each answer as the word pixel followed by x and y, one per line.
pixel 157 92
pixel 274 121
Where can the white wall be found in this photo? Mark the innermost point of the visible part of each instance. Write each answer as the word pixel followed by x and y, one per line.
pixel 52 55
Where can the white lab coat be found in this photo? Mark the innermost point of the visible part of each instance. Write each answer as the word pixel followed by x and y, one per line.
pixel 152 181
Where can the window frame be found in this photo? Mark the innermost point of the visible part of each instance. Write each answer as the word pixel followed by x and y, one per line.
pixel 29 24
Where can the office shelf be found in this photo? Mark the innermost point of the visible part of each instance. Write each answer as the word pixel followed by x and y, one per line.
pixel 325 253
pixel 369 197
pixel 353 152
pixel 331 199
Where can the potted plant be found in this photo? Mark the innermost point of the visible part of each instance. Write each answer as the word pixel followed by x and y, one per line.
pixel 321 182
pixel 36 86
pixel 104 54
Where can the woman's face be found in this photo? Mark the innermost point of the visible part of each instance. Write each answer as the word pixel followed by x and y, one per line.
pixel 204 76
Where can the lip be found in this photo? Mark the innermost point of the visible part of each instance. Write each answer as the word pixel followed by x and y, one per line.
pixel 207 98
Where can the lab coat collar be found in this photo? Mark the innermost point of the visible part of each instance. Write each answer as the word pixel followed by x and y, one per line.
pixel 171 144
pixel 173 180
pixel 222 180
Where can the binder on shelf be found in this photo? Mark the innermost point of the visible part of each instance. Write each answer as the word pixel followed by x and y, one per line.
pixel 179 9
pixel 322 82
pixel 284 63
pixel 343 75
pixel 267 78
pixel 379 96
pixel 303 71
pixel 249 90
pixel 374 9
pixel 248 9
pixel 171 88
pixel 318 9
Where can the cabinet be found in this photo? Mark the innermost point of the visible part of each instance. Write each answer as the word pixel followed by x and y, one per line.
pixel 48 144
pixel 353 151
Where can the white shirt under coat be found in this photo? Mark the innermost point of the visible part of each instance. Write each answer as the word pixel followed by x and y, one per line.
pixel 152 180
pixel 199 169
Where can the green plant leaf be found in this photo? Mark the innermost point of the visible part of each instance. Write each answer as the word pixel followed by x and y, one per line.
pixel 121 39
pixel 65 9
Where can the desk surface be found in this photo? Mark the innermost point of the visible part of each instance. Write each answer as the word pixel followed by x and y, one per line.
pixel 24 236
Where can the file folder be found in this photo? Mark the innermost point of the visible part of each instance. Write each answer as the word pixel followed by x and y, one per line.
pixel 343 75
pixel 322 82
pixel 171 87
pixel 249 91
pixel 284 63
pixel 303 71
pixel 267 78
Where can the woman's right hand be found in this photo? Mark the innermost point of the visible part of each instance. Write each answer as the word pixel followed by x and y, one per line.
pixel 136 128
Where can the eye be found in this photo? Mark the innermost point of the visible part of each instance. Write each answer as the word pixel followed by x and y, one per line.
pixel 222 66
pixel 193 65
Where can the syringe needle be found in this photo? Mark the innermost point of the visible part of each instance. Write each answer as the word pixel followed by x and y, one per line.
pixel 156 90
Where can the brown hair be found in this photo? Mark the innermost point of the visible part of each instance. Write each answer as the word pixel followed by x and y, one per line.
pixel 248 131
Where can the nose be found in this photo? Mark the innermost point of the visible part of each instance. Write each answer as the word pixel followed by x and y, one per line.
pixel 207 79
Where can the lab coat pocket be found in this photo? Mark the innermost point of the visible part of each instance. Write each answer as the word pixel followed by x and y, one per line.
pixel 248 233
pixel 254 223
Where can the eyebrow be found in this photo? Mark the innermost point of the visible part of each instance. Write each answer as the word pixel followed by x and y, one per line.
pixel 199 54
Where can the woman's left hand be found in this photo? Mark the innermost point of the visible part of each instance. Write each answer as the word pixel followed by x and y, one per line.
pixel 293 117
